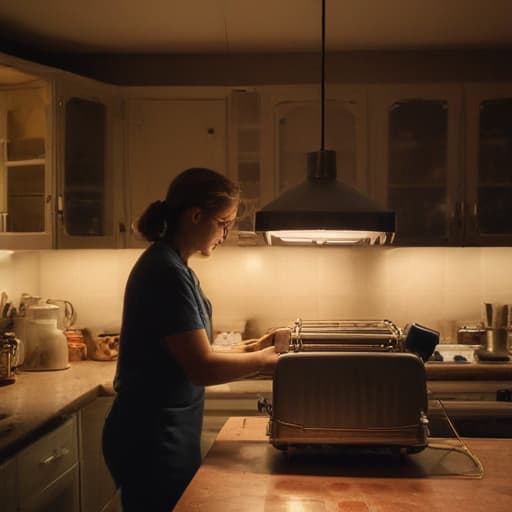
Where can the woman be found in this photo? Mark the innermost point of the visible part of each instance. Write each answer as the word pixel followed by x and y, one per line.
pixel 151 437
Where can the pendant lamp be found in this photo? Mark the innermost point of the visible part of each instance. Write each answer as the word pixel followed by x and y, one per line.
pixel 322 210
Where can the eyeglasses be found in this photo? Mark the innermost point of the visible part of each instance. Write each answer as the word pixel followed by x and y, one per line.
pixel 226 225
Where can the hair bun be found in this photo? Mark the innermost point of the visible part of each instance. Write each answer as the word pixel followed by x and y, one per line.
pixel 151 224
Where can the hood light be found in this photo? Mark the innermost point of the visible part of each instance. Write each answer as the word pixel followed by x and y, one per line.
pixel 325 237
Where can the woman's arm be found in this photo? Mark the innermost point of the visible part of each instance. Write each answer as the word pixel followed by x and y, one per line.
pixel 205 367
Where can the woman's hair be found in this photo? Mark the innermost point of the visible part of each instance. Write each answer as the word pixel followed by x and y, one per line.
pixel 196 187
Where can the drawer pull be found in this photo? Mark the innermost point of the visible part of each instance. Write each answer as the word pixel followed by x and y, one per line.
pixel 54 457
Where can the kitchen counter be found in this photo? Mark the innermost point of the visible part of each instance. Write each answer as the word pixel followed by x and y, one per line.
pixel 38 399
pixel 469 371
pixel 242 471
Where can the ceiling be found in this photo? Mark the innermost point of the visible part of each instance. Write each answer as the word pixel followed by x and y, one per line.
pixel 253 26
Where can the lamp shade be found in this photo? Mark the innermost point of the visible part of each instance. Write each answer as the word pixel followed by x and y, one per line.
pixel 322 210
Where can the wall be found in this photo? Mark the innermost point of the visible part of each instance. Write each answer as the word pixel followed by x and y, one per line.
pixel 271 286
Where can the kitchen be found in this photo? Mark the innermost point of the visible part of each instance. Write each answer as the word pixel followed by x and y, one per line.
pixel 435 285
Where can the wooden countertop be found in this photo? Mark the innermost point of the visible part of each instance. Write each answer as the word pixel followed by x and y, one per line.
pixel 242 471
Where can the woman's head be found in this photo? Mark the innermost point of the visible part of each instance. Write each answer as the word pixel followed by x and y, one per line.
pixel 198 191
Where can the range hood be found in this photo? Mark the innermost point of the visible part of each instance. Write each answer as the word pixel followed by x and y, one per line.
pixel 323 210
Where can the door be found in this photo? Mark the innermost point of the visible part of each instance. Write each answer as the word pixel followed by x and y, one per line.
pixel 415 163
pixel 97 488
pixel 295 116
pixel 8 487
pixel 164 137
pixel 25 164
pixel 488 211
pixel 89 203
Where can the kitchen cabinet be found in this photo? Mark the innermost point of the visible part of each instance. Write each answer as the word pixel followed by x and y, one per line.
pixel 274 127
pixel 415 133
pixel 25 164
pixel 89 210
pixel 488 155
pixel 8 486
pixel 246 156
pixel 47 472
pixel 167 132
pixel 441 157
pixel 60 159
pixel 97 489
pixel 292 117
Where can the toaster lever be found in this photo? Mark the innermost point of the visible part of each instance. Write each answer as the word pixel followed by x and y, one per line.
pixel 264 405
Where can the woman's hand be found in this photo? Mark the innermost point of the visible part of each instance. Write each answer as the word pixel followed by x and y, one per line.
pixel 268 362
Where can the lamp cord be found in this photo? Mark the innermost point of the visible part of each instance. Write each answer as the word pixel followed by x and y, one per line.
pixel 322 140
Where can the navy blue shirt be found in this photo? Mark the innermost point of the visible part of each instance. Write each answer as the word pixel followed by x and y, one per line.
pixel 162 298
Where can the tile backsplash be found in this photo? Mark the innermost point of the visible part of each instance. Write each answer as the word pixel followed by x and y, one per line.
pixel 271 286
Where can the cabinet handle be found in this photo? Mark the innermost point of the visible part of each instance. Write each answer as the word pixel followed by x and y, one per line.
pixel 459 214
pixel 54 457
pixel 60 208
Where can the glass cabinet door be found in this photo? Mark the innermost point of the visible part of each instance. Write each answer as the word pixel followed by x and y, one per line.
pixel 417 165
pixel 297 131
pixel 88 182
pixel 417 189
pixel 24 163
pixel 84 168
pixel 489 191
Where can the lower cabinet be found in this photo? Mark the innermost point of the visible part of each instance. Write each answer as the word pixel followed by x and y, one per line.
pixel 8 486
pixel 64 470
pixel 47 472
pixel 97 489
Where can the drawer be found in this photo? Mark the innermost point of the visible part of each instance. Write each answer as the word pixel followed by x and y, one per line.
pixel 44 461
pixel 8 494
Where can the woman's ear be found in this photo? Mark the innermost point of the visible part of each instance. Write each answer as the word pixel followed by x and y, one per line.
pixel 195 215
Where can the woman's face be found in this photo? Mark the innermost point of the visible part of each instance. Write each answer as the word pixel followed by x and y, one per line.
pixel 215 228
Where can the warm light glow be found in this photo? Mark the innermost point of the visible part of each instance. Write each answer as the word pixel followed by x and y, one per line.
pixel 327 237
pixel 253 263
pixel 5 255
pixel 295 505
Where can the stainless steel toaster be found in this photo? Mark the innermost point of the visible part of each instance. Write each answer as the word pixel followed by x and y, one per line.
pixel 351 335
pixel 363 399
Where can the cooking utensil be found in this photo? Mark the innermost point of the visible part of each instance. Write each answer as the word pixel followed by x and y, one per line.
pixel 496 319
pixel 8 349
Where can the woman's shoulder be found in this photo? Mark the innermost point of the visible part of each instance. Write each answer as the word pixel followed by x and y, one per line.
pixel 162 261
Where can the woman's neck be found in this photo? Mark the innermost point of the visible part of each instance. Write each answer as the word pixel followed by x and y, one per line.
pixel 181 247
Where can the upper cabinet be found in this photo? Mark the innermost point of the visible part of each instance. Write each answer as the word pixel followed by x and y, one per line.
pixel 25 161
pixel 294 126
pixel 60 159
pixel 415 160
pixel 168 131
pixel 80 161
pixel 441 157
pixel 89 209
pixel 488 151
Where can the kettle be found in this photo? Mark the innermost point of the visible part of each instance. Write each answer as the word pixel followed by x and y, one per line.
pixel 46 346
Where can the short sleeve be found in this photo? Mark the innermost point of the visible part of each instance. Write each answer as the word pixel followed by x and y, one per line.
pixel 177 308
